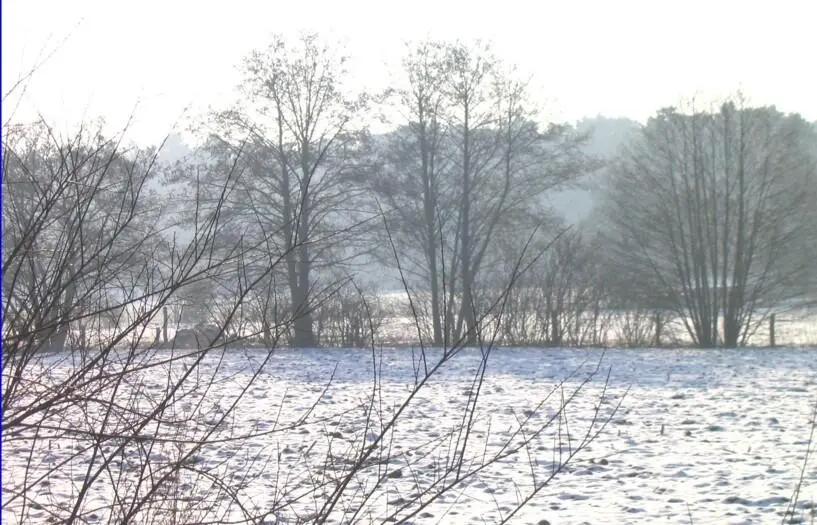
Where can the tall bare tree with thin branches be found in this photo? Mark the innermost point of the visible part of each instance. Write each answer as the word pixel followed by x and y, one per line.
pixel 301 136
pixel 471 164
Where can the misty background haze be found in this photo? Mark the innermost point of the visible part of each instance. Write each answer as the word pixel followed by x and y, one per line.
pixel 588 58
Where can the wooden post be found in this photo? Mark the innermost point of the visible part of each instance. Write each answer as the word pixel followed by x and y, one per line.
pixel 164 324
pixel 772 342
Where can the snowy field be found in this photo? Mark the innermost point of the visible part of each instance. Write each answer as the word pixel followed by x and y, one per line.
pixel 704 437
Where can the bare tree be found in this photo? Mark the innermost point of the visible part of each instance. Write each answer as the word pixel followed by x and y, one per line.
pixel 471 165
pixel 709 214
pixel 564 299
pixel 300 146
pixel 81 225
pixel 418 149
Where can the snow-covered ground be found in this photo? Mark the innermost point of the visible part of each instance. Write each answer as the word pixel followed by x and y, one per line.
pixel 700 436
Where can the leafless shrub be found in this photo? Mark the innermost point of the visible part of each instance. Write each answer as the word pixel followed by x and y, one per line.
pixel 564 300
pixel 351 317
pixel 94 423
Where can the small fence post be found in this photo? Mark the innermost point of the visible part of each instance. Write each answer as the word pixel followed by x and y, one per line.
pixel 164 324
pixel 772 342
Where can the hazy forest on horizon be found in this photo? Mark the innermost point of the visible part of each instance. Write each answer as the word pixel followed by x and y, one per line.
pixel 293 224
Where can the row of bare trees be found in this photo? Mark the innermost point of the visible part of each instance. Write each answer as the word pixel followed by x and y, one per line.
pixel 706 217
pixel 466 170
pixel 464 181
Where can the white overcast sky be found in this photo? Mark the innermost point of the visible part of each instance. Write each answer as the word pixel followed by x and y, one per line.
pixel 611 57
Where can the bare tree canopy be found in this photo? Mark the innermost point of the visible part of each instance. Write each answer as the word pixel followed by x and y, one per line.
pixel 711 215
pixel 297 137
pixel 470 165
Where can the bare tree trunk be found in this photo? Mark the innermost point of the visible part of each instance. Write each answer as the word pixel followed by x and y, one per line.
pixel 555 328
pixel 62 320
pixel 301 303
pixel 468 305
pixel 772 339
pixel 430 216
